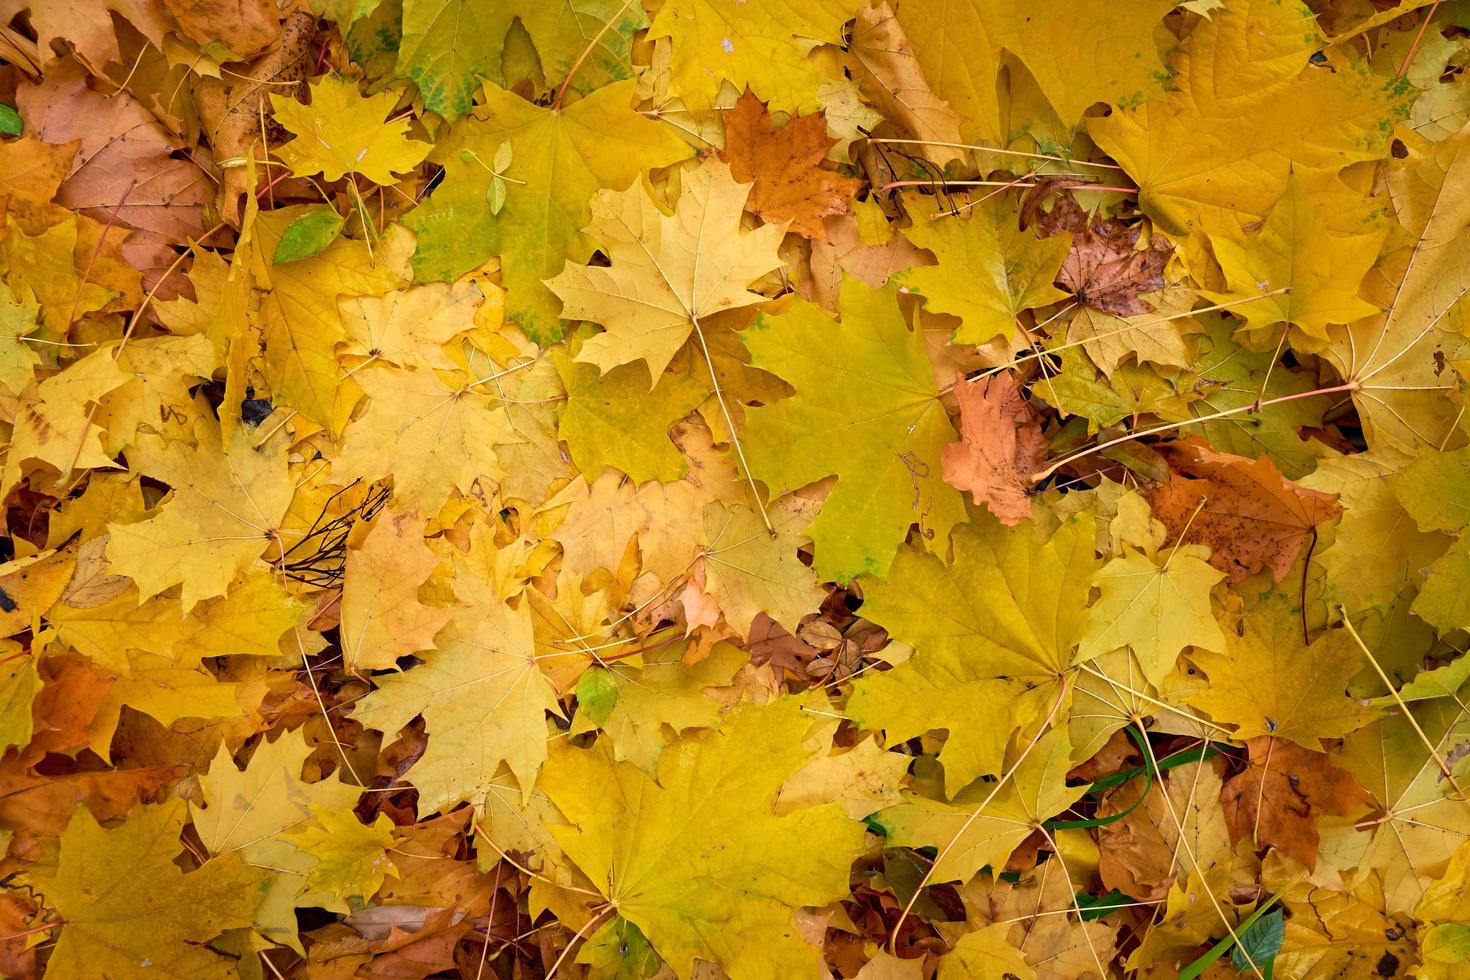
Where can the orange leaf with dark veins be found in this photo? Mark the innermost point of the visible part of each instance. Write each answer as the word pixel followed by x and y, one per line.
pixel 786 166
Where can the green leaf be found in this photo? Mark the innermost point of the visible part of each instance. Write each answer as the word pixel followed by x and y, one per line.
pixel 503 154
pixel 308 235
pixel 597 695
pixel 444 55
pixel 1447 942
pixel 1094 907
pixel 1261 940
pixel 10 124
pixel 619 951
pixel 564 156
pixel 876 423
pixel 495 195
pixel 1216 951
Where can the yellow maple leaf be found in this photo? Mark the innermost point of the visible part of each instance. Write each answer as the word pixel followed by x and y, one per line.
pixel 760 44
pixel 1269 682
pixel 249 813
pixel 299 318
pixel 696 860
pixel 613 419
pixel 482 694
pixel 668 271
pixel 222 516
pixel 877 425
pixel 1316 242
pixel 983 826
pixel 382 617
pixel 561 156
pixel 54 429
pixel 990 268
pixel 1157 607
pixel 642 707
pixel 19 316
pixel 352 858
pixel 1400 356
pixel 343 132
pixel 44 263
pixel 1250 111
pixel 748 570
pixel 408 327
pixel 430 436
pixel 992 632
pixel 1079 53
pixel 129 909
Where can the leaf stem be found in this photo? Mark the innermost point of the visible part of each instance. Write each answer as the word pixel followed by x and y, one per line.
pixel 997 150
pixel 576 65
pixel 1414 46
pixel 891 185
pixel 730 423
pixel 1250 408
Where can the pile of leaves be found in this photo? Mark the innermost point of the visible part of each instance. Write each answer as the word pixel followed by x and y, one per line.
pixel 883 489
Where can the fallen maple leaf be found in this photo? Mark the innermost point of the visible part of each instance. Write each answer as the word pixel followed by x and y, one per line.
pixel 682 853
pixel 141 908
pixel 895 81
pixel 785 166
pixel 1275 801
pixel 667 272
pixel 1104 268
pixel 1244 510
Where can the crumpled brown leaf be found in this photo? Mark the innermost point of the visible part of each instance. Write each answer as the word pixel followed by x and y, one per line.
pixel 1001 445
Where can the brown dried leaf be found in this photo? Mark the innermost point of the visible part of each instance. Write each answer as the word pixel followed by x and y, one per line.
pixel 1276 800
pixel 1001 445
pixel 246 27
pixel 126 165
pixel 1105 269
pixel 1248 514
pixel 842 252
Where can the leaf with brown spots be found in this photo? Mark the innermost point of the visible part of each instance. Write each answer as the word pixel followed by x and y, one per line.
pixel 1276 800
pixel 1248 514
pixel 1105 268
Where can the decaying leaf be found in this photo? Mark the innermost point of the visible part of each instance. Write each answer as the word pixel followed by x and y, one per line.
pixel 1000 447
